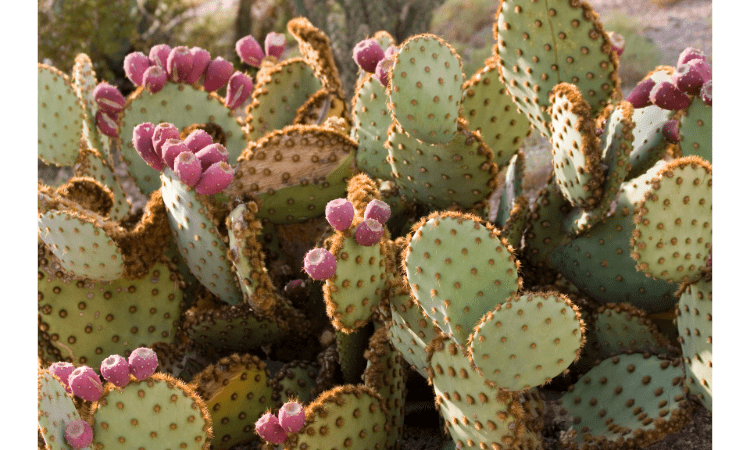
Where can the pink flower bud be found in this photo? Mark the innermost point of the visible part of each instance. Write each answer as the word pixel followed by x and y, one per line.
pixel 158 55
pixel 340 213
pixel 368 232
pixel 666 95
pixel 689 54
pixel 85 383
pixel 218 73
pixel 215 179
pixel 320 264
pixel 135 65
pixel 383 70
pixel 617 41
pixel 143 135
pixel 201 58
pixel 367 54
pixel 239 89
pixel 62 370
pixel 108 98
pixel 187 167
pixel 269 429
pixel 639 97
pixel 670 132
pixel 154 79
pixel 197 140
pixel 115 369
pixel 162 132
pixel 142 363
pixel 171 149
pixel 378 210
pixel 707 92
pixel 292 417
pixel 275 44
pixel 212 154
pixel 179 64
pixel 78 434
pixel 689 78
pixel 106 122
pixel 249 51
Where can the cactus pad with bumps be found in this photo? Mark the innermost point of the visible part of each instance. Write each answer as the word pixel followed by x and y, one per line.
pixel 84 82
pixel 294 380
pixel 526 341
pixel 371 120
pixel 60 118
pixel 620 328
pixel 512 189
pixel 672 236
pixel 351 348
pixel 694 323
pixel 159 412
pixel 410 332
pixel 425 88
pixel 91 164
pixel 696 123
pixel 56 410
pixel 458 269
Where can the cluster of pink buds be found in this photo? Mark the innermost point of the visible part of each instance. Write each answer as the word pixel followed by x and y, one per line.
pixel 275 430
pixel 371 58
pixel 109 102
pixel 250 52
pixel 196 161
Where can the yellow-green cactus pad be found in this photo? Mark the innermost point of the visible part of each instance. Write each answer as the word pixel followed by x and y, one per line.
pixel 295 380
pixel 60 118
pixel 56 411
pixel 696 123
pixel 620 328
pixel 84 82
pixel 694 323
pixel 320 107
pixel 371 120
pixel 512 188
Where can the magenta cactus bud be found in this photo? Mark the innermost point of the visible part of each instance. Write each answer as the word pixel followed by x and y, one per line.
pixel 340 213
pixel 666 95
pixel 62 370
pixel 239 89
pixel 179 64
pixel 275 44
pixel 212 154
pixel 135 65
pixel 391 51
pixel 108 98
pixel 367 54
pixel 201 58
pixel 215 179
pixel 115 369
pixel 368 232
pixel 707 92
pixel 249 51
pixel 106 122
pixel 383 70
pixel 295 289
pixel 85 383
pixel 670 131
pixel 162 132
pixel 639 97
pixel 218 73
pixel 618 42
pixel 154 79
pixel 187 166
pixel 78 434
pixel 158 55
pixel 292 417
pixel 378 210
pixel 689 78
pixel 143 135
pixel 269 429
pixel 142 363
pixel 197 140
pixel 320 264
pixel 689 54
pixel 171 149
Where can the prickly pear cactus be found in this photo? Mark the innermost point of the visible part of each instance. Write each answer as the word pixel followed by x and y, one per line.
pixel 694 323
pixel 56 410
pixel 60 118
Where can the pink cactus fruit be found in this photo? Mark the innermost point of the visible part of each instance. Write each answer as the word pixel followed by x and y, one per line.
pixel 171 149
pixel 709 261
pixel 340 213
pixel 378 210
pixel 269 429
pixel 78 434
pixel 391 51
pixel 618 42
pixel 215 179
pixel 670 131
pixel 143 135
pixel 197 140
pixel 639 97
pixel 689 78
pixel 158 55
pixel 368 232
pixel 187 166
pixel 135 65
pixel 142 363
pixel 249 51
pixel 218 73
pixel 666 95
pixel 201 58
pixel 292 417
pixel 275 44
pixel 106 122
pixel 212 154
pixel 320 264
pixel 239 89
pixel 707 92
pixel 85 383
pixel 383 70
pixel 179 64
pixel 162 132
pixel 62 370
pixel 296 291
pixel 367 54
pixel 115 369
pixel 689 54
pixel 154 79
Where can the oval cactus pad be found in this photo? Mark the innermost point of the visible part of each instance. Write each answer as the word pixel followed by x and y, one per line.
pixel 371 119
pixel 695 325
pixel 425 88
pixel 60 118
pixel 56 410
pixel 409 331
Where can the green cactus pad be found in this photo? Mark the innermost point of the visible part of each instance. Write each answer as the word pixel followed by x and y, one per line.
pixel 181 105
pixel 515 226
pixel 160 412
pixel 295 380
pixel 622 327
pixel 295 172
pixel 489 109
pixel 576 157
pixel 425 88
pixel 197 236
pixel 696 123
pixel 541 44
pixel 672 236
pixel 60 118
pixel 315 48
pixel 351 348
pixel 476 415
pixel 458 269
pixel 91 320
pixel 460 172
pixel 526 341
pixel 237 392
pixel 347 416
pixel 91 164
pixel 512 188
pixel 180 360
pixel 627 401
pixel 694 322
pixel 371 120
pixel 277 96
pixel 84 82
pixel 320 107
pixel 56 411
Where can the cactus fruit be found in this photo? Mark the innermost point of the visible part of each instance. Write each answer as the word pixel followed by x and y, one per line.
pixel 215 179
pixel 56 410
pixel 171 149
pixel 707 92
pixel 249 51
pixel 383 70
pixel 198 140
pixel 135 65
pixel 368 232
pixel 292 417
pixel 270 430
pixel 275 44
pixel 320 264
pixel 154 79
pixel 79 434
pixel 238 90
pixel 158 55
pixel 201 59
pixel 378 210
pixel 142 363
pixel 690 54
pixel 218 73
pixel 85 383
pixel 116 370
pixel 62 370
pixel 367 54
pixel 187 167
pixel 340 213
pixel 666 95
pixel 108 98
pixel 179 64
pixel 690 77
pixel 640 95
